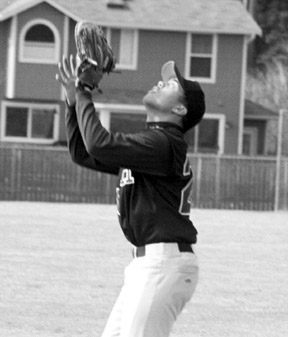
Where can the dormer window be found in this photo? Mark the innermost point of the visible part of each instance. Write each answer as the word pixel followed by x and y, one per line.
pixel 39 42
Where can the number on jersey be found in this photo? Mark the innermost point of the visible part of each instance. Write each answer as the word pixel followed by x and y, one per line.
pixel 185 203
pixel 126 178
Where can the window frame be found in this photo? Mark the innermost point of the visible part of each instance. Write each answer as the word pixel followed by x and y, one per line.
pixel 221 133
pixel 105 111
pixel 30 107
pixel 24 30
pixel 213 55
pixel 134 64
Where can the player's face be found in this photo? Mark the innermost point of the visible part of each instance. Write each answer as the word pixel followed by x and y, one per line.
pixel 164 96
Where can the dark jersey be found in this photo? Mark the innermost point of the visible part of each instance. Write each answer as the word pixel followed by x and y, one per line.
pixel 155 176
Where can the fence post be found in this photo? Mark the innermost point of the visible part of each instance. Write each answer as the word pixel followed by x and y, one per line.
pixel 198 189
pixel 285 184
pixel 278 159
pixel 217 182
pixel 13 173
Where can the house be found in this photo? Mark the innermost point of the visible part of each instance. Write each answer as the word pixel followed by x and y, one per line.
pixel 208 39
pixel 260 130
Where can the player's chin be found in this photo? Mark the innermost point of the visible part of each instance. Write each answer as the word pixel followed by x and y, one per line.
pixel 149 98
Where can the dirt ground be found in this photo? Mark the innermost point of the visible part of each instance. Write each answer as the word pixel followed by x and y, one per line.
pixel 61 267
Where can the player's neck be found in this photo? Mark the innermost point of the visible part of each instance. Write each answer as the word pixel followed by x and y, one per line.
pixel 156 117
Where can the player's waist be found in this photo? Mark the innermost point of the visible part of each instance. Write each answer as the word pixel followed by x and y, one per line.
pixel 162 249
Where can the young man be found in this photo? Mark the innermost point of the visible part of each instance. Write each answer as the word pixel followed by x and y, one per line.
pixel 153 206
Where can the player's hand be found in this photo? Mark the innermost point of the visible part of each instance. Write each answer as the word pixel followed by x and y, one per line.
pixel 89 74
pixel 67 78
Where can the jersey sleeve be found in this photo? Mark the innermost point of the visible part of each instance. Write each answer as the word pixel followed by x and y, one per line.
pixel 146 152
pixel 76 146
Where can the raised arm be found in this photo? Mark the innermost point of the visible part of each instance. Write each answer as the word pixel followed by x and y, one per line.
pixel 77 150
pixel 67 78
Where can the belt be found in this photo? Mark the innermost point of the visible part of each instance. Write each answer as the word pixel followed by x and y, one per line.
pixel 164 247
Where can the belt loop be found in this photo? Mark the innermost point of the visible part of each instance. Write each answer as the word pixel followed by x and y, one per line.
pixel 140 251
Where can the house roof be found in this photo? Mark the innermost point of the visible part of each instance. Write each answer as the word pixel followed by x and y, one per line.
pixel 257 111
pixel 221 16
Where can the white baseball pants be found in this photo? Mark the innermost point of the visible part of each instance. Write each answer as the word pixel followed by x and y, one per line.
pixel 156 288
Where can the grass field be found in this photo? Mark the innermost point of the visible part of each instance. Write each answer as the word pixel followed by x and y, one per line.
pixel 61 269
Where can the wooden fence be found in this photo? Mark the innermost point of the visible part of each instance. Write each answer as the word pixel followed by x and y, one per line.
pixel 238 182
pixel 227 182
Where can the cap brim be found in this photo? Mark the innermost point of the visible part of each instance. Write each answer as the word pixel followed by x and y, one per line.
pixel 169 70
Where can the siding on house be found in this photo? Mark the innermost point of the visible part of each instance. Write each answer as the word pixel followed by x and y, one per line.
pixel 228 87
pixel 4 33
pixel 155 48
pixel 42 84
pixel 158 43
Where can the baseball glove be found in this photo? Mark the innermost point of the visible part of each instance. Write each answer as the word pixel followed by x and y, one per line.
pixel 94 53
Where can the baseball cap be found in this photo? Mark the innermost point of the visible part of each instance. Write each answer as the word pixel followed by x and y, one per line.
pixel 194 96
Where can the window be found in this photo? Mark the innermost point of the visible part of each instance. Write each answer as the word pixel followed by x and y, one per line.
pixel 208 136
pixel 127 122
pixel 125 46
pixel 201 57
pixel 29 123
pixel 122 117
pixel 39 43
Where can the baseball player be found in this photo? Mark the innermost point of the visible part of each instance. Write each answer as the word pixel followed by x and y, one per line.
pixel 152 194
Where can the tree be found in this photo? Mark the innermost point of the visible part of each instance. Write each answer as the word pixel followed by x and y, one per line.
pixel 272 46
pixel 270 71
pixel 267 81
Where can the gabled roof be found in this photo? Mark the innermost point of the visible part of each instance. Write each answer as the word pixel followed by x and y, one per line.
pixel 219 16
pixel 255 110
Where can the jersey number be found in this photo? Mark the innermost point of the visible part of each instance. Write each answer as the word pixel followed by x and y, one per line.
pixel 126 178
pixel 118 200
pixel 185 203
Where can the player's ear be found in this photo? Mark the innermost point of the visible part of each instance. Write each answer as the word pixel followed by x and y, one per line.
pixel 180 110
